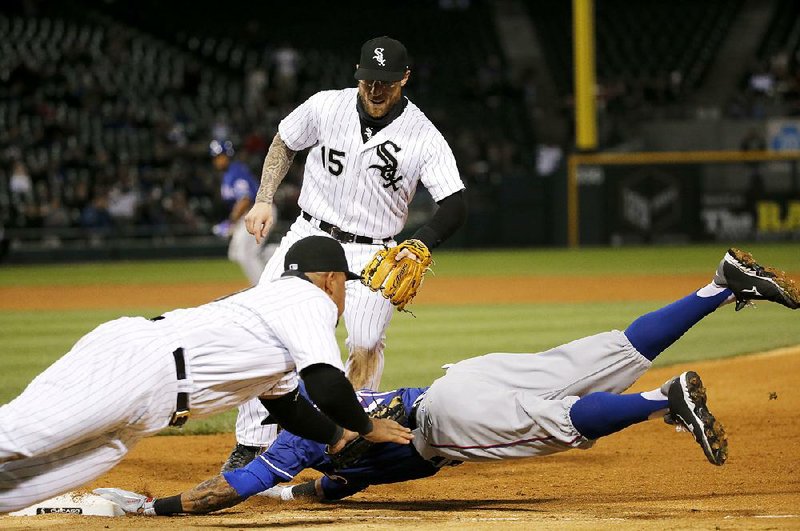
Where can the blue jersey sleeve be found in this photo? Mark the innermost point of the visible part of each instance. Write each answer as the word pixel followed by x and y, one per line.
pixel 238 182
pixel 383 463
pixel 287 456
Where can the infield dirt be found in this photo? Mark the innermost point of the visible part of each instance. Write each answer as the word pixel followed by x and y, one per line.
pixel 646 477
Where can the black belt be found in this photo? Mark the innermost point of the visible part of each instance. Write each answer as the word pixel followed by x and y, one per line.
pixel 181 414
pixel 412 418
pixel 340 235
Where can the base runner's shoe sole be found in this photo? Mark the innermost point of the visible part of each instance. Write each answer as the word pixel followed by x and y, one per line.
pixel 240 457
pixel 687 406
pixel 749 280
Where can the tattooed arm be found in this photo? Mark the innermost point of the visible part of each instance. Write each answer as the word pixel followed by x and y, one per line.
pixel 276 165
pixel 211 495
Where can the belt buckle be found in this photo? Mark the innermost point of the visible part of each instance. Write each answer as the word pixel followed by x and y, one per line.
pixel 179 418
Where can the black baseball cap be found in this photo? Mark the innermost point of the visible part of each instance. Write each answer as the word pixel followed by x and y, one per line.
pixel 382 59
pixel 317 254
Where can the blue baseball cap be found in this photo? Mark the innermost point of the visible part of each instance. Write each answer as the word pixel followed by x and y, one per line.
pixel 221 147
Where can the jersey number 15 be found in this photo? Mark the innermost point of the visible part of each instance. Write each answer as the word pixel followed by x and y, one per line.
pixel 333 161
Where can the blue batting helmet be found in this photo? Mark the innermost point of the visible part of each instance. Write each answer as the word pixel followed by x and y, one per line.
pixel 221 147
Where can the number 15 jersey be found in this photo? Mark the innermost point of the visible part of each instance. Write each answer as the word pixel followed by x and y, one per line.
pixel 365 187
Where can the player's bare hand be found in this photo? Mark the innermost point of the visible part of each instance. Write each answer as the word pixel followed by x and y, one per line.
pixel 259 220
pixel 347 436
pixel 386 430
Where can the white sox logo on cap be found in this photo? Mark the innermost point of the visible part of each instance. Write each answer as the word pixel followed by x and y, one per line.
pixel 379 56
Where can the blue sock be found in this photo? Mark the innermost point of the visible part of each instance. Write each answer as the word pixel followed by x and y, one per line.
pixel 599 414
pixel 652 333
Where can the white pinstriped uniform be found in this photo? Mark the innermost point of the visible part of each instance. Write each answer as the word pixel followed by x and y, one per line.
pixel 363 188
pixel 79 417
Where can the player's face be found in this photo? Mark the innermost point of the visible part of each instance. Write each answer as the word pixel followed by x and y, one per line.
pixel 221 162
pixel 380 96
pixel 337 290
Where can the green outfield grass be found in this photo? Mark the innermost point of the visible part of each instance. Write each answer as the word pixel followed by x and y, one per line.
pixel 595 261
pixel 417 347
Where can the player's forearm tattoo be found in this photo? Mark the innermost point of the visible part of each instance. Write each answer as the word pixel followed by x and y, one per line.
pixel 211 495
pixel 276 165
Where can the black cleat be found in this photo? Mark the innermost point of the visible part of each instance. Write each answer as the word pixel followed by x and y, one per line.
pixel 748 280
pixel 687 407
pixel 240 456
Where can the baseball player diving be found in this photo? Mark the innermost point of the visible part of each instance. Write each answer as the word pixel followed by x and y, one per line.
pixel 238 190
pixel 369 147
pixel 131 377
pixel 506 406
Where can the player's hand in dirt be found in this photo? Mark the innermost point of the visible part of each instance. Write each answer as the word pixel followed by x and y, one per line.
pixel 259 220
pixel 386 430
pixel 130 502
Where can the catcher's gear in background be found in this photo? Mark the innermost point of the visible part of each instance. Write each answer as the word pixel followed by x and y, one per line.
pixel 355 449
pixel 398 280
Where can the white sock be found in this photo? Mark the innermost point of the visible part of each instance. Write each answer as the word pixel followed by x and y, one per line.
pixel 710 290
pixel 713 289
pixel 657 395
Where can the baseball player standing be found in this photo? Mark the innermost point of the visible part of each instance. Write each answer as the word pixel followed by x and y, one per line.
pixel 131 377
pixel 238 190
pixel 506 406
pixel 369 147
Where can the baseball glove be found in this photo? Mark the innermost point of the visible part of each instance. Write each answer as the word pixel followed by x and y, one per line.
pixel 355 449
pixel 398 280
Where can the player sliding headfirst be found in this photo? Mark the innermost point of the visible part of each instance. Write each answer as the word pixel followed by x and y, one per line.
pixel 505 406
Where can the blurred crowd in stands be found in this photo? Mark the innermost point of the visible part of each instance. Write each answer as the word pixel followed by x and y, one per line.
pixel 772 87
pixel 106 113
pixel 103 126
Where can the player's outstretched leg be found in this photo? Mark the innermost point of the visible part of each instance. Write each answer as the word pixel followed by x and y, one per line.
pixel 738 277
pixel 682 398
pixel 688 406
pixel 748 280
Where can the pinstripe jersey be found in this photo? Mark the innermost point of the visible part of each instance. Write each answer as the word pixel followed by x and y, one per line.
pixel 365 187
pixel 255 342
pixel 79 417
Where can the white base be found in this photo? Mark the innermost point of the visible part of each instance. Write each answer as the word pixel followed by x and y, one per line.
pixel 73 503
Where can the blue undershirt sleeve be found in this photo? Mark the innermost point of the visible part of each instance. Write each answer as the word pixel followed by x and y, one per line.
pixel 287 456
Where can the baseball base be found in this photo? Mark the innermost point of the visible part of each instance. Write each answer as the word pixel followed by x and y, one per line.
pixel 73 503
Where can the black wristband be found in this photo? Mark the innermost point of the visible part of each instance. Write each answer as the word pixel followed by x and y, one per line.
pixel 168 506
pixel 336 436
pixel 428 236
pixel 367 429
pixel 305 490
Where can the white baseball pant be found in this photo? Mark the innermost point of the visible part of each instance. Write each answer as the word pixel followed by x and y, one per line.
pixel 366 317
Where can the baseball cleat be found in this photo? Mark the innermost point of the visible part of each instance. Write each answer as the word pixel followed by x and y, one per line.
pixel 240 456
pixel 748 280
pixel 688 409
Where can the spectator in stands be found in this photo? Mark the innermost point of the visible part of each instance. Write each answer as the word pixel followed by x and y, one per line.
pixel 123 198
pixel 286 61
pixel 95 216
pixel 20 184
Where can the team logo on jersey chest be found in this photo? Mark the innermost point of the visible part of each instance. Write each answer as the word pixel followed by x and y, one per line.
pixel 388 170
pixel 379 56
